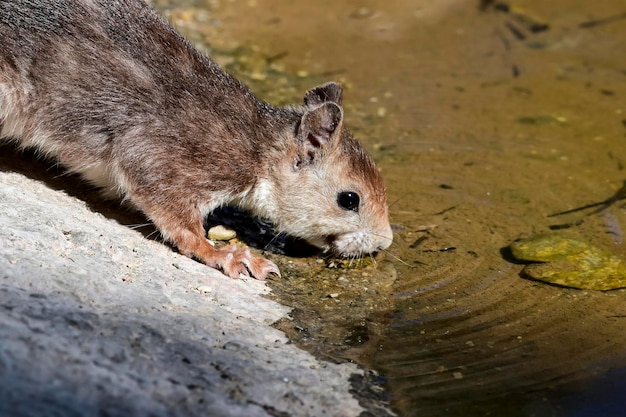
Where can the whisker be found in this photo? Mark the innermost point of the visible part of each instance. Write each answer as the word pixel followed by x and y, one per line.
pixel 377 235
pixel 397 200
pixel 274 238
pixel 138 226
pixel 373 260
pixel 397 258
pixel 154 232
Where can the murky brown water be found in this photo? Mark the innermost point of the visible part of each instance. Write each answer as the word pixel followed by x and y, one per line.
pixel 484 122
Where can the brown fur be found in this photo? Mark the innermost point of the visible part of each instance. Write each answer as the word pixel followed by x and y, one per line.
pixel 117 95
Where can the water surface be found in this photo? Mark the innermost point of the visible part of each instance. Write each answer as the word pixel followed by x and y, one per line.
pixel 484 119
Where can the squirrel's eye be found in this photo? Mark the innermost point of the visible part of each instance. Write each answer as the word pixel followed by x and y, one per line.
pixel 348 200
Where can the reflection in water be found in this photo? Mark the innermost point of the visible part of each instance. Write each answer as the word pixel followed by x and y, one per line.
pixel 485 117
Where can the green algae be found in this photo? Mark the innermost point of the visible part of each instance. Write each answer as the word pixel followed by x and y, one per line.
pixel 570 263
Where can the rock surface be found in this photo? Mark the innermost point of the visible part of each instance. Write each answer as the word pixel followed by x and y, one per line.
pixel 95 319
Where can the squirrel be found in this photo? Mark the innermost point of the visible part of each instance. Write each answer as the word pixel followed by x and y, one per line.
pixel 113 92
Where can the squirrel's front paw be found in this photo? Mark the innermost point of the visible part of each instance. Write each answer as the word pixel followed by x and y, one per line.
pixel 234 260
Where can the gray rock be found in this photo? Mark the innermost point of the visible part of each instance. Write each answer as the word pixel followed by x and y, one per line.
pixel 97 320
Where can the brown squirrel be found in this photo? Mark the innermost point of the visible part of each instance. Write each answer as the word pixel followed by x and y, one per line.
pixel 114 93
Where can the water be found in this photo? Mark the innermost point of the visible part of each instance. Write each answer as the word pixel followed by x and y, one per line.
pixel 484 121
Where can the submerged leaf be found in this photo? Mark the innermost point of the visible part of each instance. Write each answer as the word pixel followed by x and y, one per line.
pixel 570 263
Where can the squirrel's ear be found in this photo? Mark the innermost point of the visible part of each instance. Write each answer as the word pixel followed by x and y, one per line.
pixel 329 92
pixel 319 129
